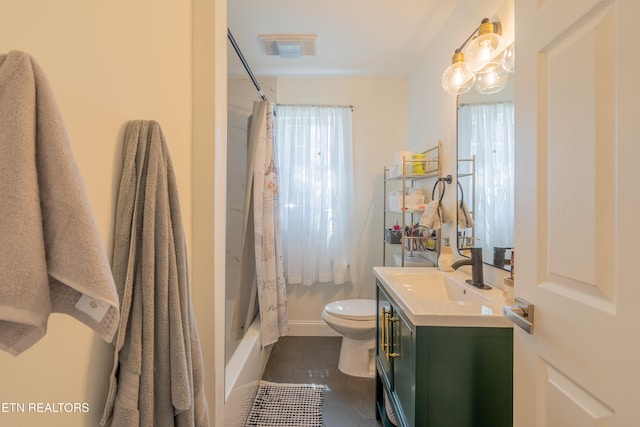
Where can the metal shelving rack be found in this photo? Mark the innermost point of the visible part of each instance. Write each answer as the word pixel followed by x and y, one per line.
pixel 433 169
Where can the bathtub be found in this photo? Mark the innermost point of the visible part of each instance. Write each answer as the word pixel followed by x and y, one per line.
pixel 242 375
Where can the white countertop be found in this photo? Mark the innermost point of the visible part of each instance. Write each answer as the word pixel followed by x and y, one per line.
pixel 430 297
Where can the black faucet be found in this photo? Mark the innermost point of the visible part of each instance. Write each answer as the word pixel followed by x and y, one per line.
pixel 476 268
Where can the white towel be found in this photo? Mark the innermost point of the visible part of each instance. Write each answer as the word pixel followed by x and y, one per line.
pixel 445 214
pixel 52 258
pixel 435 214
pixel 431 216
pixel 465 220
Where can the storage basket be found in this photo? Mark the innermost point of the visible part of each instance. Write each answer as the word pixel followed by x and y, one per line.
pixel 393 236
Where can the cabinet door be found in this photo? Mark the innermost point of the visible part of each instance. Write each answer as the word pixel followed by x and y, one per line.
pixel 383 336
pixel 402 353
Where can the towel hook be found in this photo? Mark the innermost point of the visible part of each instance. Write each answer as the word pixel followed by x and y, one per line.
pixel 433 192
pixel 447 179
pixel 461 191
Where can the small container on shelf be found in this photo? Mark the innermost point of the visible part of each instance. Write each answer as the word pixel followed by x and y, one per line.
pixel 417 164
pixel 393 236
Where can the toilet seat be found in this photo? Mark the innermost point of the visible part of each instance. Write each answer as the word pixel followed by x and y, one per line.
pixel 353 309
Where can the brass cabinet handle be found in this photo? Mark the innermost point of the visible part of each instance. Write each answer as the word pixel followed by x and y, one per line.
pixel 385 332
pixel 383 336
pixel 387 314
pixel 392 354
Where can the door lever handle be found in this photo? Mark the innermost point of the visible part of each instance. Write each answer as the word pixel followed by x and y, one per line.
pixel 521 313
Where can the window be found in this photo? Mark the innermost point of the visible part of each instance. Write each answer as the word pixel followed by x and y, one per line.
pixel 315 169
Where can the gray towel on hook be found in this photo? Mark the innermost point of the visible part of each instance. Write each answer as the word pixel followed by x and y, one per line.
pixel 158 376
pixel 52 258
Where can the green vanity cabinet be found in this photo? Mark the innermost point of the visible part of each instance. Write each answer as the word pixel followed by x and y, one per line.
pixel 441 376
pixel 394 356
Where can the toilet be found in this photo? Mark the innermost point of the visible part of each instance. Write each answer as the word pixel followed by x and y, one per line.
pixel 355 320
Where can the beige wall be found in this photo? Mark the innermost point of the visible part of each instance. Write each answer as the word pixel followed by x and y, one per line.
pixel 379 128
pixel 108 62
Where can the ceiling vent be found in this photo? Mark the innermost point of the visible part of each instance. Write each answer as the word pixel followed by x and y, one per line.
pixel 289 45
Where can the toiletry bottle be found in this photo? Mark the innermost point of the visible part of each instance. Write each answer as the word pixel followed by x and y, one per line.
pixel 445 260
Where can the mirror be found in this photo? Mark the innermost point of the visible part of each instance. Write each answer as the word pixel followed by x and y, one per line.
pixel 485 153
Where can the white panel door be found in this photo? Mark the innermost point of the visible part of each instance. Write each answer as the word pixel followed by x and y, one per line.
pixel 578 212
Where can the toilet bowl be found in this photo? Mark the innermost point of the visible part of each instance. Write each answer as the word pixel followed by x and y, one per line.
pixel 355 320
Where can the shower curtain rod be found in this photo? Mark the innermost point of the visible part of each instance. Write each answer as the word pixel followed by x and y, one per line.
pixel 246 65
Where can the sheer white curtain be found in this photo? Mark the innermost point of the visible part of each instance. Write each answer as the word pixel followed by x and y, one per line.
pixel 490 130
pixel 315 164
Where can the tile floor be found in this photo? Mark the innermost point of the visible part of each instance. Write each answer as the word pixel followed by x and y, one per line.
pixel 348 402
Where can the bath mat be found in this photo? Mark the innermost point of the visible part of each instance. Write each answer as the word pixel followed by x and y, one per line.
pixel 287 405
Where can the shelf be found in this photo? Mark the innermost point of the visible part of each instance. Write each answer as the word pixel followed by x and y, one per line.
pixel 408 211
pixel 432 169
pixel 408 238
pixel 429 174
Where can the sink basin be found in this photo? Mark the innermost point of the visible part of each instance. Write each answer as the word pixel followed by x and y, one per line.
pixel 435 286
pixel 429 296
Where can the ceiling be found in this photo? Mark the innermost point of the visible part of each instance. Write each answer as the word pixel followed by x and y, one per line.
pixel 353 36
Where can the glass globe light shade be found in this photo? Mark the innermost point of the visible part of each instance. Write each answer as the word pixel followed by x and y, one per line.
pixel 509 58
pixel 457 78
pixel 484 48
pixel 491 79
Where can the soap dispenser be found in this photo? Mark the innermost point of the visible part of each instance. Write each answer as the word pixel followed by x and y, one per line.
pixel 445 260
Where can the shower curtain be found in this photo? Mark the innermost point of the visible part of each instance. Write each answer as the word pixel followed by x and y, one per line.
pixel 261 267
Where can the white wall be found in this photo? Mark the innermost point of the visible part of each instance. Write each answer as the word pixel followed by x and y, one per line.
pixel 379 123
pixel 432 112
pixel 108 62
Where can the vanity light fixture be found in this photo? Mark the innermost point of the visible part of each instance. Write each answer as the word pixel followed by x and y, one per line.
pixel 482 60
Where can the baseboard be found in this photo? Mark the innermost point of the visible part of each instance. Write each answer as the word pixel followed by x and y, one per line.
pixel 310 328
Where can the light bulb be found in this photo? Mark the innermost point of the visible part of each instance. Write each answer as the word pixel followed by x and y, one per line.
pixel 491 79
pixel 457 78
pixel 509 58
pixel 484 48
